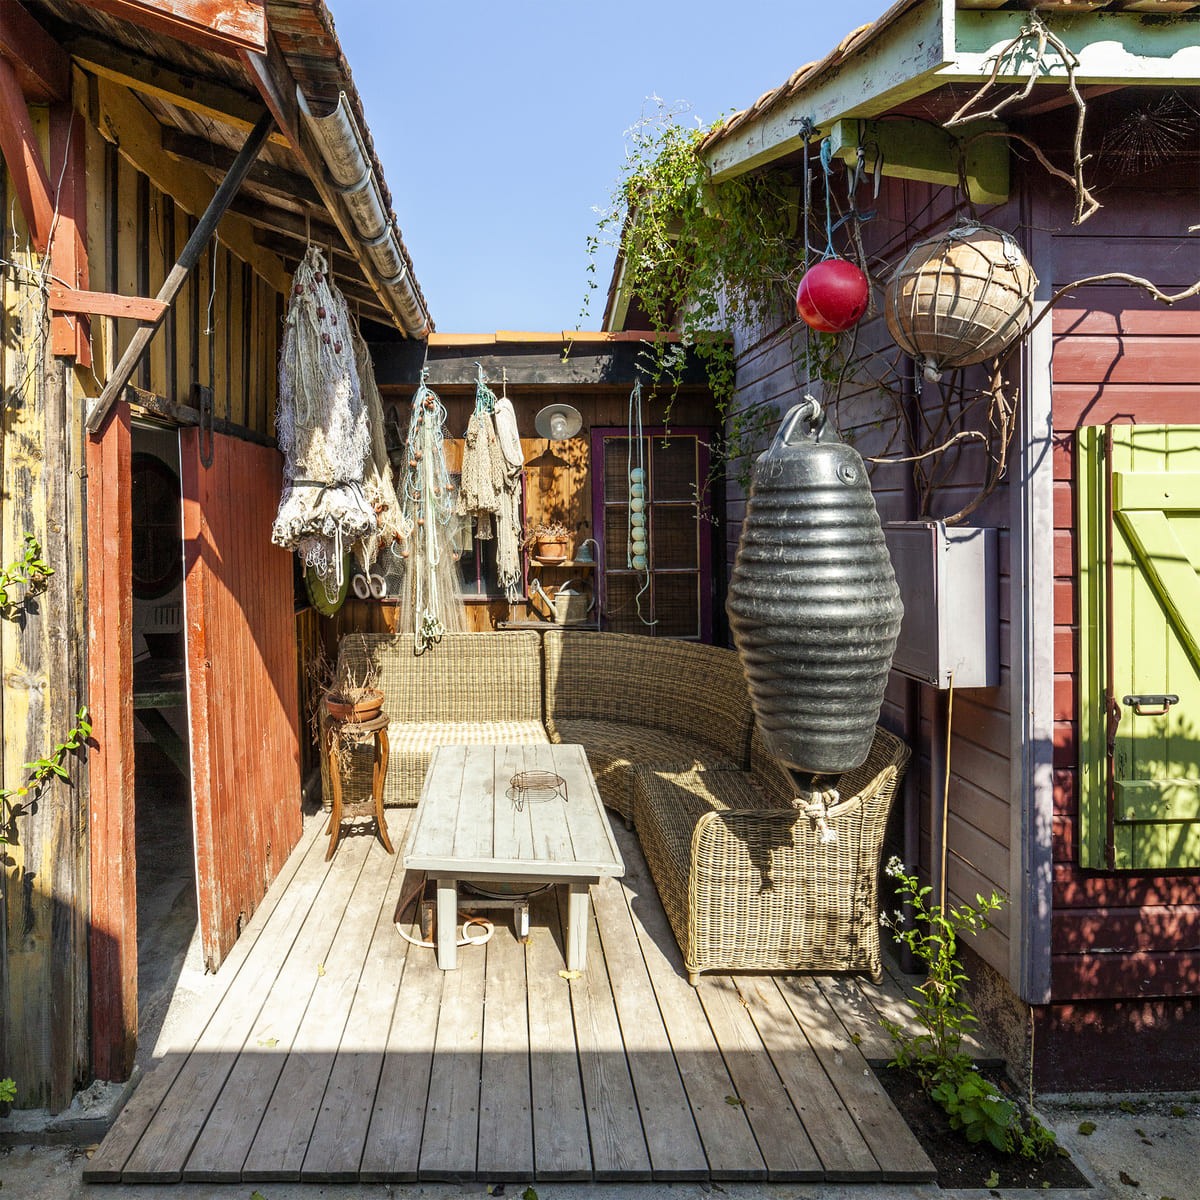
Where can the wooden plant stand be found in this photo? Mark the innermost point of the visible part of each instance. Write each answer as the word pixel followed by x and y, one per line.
pixel 338 734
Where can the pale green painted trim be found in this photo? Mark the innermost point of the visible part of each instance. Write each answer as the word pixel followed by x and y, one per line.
pixel 1156 801
pixel 899 63
pixel 935 43
pixel 919 150
pixel 1091 518
pixel 1168 570
pixel 1159 491
pixel 1122 48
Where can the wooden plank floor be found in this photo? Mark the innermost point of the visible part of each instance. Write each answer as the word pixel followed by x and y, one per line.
pixel 332 1050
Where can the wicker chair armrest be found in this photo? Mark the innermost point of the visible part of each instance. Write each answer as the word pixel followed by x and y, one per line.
pixel 777 826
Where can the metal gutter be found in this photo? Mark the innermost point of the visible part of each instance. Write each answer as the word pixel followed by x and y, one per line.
pixel 351 174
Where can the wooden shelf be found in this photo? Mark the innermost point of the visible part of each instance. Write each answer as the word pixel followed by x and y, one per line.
pixel 568 564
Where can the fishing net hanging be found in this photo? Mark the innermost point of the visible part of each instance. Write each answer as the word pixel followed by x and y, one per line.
pixel 508 519
pixel 490 488
pixel 321 424
pixel 393 525
pixel 431 598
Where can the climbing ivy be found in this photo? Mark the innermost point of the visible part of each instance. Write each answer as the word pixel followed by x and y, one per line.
pixel 28 575
pixel 15 802
pixel 698 257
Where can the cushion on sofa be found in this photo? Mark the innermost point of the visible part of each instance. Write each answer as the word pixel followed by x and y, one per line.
pixel 614 748
pixel 686 688
pixel 412 744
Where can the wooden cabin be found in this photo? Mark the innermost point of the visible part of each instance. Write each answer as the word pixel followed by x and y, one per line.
pixel 1090 975
pixel 580 481
pixel 165 166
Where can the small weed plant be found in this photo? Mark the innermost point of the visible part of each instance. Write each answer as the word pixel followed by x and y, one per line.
pixel 944 1017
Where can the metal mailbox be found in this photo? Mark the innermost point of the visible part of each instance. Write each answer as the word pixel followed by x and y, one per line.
pixel 948 582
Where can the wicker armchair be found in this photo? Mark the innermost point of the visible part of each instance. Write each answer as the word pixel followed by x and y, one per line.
pixel 744 877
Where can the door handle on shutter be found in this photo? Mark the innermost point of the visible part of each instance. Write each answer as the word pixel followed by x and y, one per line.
pixel 1158 703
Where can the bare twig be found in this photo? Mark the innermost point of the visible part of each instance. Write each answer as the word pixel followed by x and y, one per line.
pixel 963 435
pixel 1085 202
pixel 1036 31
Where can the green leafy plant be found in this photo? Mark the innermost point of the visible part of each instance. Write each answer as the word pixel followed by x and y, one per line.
pixel 15 802
pixel 944 1017
pixel 8 1091
pixel 699 256
pixel 27 576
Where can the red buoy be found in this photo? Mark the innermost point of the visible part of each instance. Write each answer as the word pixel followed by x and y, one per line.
pixel 832 295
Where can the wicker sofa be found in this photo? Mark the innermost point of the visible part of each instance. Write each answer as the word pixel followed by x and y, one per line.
pixel 470 689
pixel 746 879
pixel 668 730
pixel 627 700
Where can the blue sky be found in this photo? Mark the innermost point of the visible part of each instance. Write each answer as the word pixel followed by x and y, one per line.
pixel 500 125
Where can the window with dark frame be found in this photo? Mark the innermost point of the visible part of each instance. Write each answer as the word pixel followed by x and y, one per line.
pixel 673 598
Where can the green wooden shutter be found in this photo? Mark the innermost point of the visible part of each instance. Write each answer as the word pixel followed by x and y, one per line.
pixel 1139 617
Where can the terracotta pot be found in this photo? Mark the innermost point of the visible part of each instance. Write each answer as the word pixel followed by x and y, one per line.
pixel 552 550
pixel 366 708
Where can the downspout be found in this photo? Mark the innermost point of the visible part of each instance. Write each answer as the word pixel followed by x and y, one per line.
pixel 345 156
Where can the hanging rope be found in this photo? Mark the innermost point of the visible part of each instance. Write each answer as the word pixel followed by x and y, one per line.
pixel 392 525
pixel 637 549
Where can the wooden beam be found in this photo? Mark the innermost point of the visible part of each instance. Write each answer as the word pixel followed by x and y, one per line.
pixel 41 64
pixel 105 304
pixel 174 281
pixel 618 364
pixel 284 221
pixel 154 405
pixel 892 66
pixel 1112 47
pixel 923 151
pixel 206 97
pixel 226 26
pixel 211 156
pixel 125 121
pixel 23 154
pixel 68 251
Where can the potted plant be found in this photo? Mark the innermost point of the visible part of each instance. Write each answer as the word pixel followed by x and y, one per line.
pixel 354 694
pixel 547 541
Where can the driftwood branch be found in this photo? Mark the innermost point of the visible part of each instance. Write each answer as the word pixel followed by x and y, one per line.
pixel 1036 31
pixel 963 435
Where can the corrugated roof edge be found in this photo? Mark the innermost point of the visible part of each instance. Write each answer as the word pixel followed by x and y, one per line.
pixel 851 43
pixel 322 13
pixel 502 336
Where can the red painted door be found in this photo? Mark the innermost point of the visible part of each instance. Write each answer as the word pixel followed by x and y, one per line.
pixel 242 685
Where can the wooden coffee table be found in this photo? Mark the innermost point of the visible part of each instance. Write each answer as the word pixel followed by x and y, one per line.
pixel 476 823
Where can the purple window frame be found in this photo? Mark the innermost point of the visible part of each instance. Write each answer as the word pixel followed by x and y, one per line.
pixel 705 543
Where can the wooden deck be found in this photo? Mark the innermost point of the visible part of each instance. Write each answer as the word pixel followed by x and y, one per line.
pixel 336 1052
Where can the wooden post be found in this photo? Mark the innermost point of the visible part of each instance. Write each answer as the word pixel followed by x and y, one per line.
pixel 110 765
pixel 24 158
pixel 178 275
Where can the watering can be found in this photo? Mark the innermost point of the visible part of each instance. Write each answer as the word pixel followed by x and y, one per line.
pixel 566 604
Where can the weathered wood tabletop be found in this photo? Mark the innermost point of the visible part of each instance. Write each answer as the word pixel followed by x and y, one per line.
pixel 474 823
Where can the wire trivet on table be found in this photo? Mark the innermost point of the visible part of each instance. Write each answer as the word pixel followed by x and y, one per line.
pixel 536 786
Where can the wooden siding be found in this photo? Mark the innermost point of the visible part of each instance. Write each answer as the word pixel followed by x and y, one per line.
pixel 1118 357
pixel 242 685
pixel 771 372
pixel 43 931
pixel 111 764
pixel 563 494
pixel 222 332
